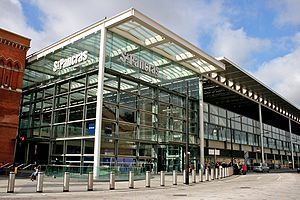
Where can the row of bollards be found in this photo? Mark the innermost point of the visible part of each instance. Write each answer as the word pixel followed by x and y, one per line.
pixel 204 175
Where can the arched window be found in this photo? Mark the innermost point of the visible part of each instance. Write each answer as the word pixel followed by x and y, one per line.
pixel 1 71
pixel 7 75
pixel 15 76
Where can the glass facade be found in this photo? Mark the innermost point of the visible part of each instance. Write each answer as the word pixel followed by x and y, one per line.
pixel 150 109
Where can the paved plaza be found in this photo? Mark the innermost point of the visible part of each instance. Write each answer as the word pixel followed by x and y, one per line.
pixel 250 186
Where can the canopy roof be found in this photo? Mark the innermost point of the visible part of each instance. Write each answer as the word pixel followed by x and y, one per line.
pixel 142 30
pixel 236 80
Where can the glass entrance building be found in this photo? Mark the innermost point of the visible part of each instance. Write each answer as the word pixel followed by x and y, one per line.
pixel 126 91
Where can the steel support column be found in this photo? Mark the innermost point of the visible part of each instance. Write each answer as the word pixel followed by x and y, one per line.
pixel 97 143
pixel 261 134
pixel 201 123
pixel 292 147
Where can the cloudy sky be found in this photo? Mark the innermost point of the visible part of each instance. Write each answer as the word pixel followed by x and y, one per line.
pixel 261 36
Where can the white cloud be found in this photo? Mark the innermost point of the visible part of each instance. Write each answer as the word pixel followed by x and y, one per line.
pixel 282 74
pixel 288 12
pixel 236 45
pixel 187 18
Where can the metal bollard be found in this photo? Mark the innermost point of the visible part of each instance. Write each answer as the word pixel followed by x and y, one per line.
pixel 184 176
pixel 112 181
pixel 11 182
pixel 206 174
pixel 148 178
pixel 174 177
pixel 212 172
pixel 220 172
pixel 90 182
pixel 209 175
pixel 201 175
pixel 66 182
pixel 216 173
pixel 40 180
pixel 194 175
pixel 227 171
pixel 131 179
pixel 162 178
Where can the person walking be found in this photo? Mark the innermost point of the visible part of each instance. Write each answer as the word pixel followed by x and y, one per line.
pixel 34 174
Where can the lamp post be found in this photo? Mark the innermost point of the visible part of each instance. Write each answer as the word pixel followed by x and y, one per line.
pixel 231 137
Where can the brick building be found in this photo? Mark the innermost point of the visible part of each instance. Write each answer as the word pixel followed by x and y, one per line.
pixel 13 50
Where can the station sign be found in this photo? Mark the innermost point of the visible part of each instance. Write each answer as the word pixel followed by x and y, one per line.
pixel 70 61
pixel 134 61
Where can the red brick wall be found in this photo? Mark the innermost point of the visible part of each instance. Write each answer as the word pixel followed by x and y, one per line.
pixel 13 50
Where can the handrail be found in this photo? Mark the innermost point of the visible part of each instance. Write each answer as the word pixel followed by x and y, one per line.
pixel 4 165
pixel 10 166
pixel 27 166
pixel 20 165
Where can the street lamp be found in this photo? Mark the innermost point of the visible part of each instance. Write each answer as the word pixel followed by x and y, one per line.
pixel 231 136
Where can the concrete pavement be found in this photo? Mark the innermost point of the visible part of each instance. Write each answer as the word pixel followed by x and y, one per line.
pixel 251 186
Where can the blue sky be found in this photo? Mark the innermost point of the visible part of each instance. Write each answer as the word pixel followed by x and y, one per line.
pixel 261 36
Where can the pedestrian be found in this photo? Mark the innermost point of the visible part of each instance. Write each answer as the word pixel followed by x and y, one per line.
pixel 34 174
pixel 244 169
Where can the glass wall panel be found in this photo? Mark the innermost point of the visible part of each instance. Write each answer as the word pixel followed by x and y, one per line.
pixel 61 101
pixel 237 136
pixel 164 109
pixel 244 138
pixel 178 112
pixel 127 148
pixel 107 147
pixel 108 128
pixel 110 96
pixel 127 115
pixel 178 125
pixel 77 98
pixel 45 131
pixel 111 81
pixel 129 86
pixel 91 110
pixel 127 131
pixel 128 100
pixel 147 133
pixel 146 104
pixel 109 111
pixel 59 131
pixel 73 146
pixel 91 94
pixel 47 104
pixel 177 137
pixel 163 136
pixel 75 129
pixel 146 150
pixel 62 87
pixel 76 113
pixel 89 128
pixel 78 83
pixel 147 119
pixel 176 100
pixel 89 146
pixel 146 91
pixel 60 116
pixel 58 147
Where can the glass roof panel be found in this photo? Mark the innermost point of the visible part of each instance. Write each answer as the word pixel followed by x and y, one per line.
pixel 139 31
pixel 44 68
